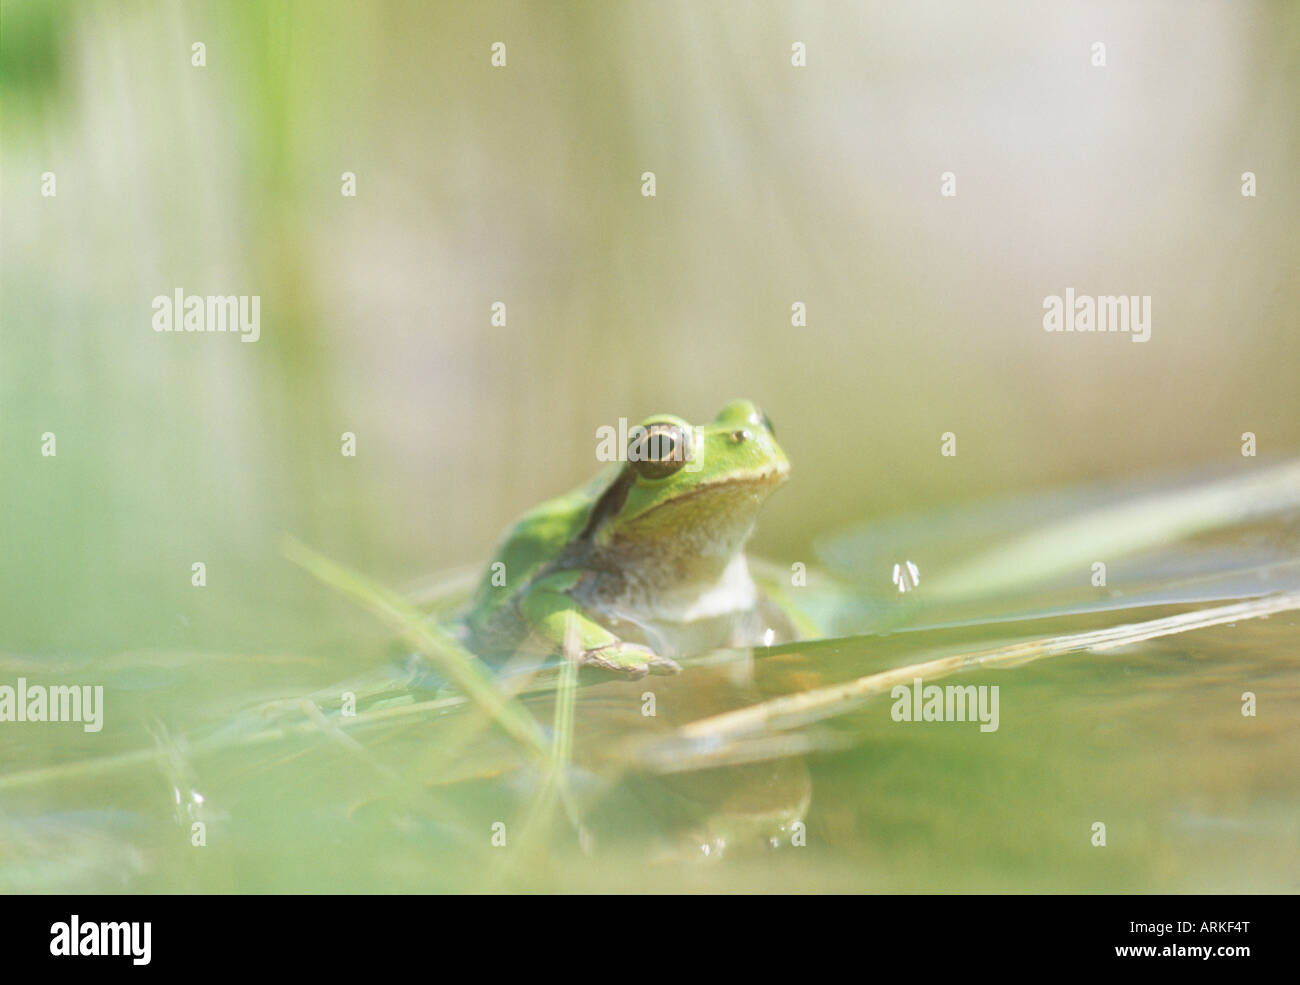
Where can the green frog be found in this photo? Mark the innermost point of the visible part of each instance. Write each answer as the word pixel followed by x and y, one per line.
pixel 646 563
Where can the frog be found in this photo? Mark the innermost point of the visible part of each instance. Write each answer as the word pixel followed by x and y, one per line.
pixel 646 563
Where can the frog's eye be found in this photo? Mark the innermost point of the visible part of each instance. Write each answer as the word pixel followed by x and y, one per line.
pixel 767 423
pixel 658 450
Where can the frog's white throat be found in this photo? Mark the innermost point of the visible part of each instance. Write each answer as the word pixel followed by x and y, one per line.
pixel 730 592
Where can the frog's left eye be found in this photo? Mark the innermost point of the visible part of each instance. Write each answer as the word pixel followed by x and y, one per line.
pixel 656 451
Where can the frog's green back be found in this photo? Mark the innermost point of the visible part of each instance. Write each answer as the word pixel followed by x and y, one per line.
pixel 537 537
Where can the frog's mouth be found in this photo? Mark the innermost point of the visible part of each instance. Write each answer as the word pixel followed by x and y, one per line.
pixel 767 478
pixel 717 517
pixel 762 482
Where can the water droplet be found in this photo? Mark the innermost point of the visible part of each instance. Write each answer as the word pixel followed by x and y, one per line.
pixel 906 576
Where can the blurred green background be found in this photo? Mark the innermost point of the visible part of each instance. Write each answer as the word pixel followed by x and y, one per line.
pixel 522 184
pixel 775 184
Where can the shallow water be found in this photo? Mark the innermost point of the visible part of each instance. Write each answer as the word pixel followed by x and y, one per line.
pixel 1149 739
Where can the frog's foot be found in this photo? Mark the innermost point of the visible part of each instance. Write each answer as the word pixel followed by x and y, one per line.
pixel 628 659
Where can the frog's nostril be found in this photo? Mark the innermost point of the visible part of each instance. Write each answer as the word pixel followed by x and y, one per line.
pixel 740 435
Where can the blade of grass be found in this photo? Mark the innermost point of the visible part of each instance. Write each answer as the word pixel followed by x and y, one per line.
pixel 1121 529
pixel 460 666
pixel 796 710
pixel 540 814
pixel 227 739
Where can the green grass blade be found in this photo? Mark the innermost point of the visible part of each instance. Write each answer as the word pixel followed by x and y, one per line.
pixel 460 666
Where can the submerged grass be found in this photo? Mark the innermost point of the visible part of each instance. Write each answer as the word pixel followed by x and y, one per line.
pixel 461 667
pixel 780 726
pixel 797 710
pixel 428 776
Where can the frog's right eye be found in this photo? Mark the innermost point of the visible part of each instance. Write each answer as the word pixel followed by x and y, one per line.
pixel 656 451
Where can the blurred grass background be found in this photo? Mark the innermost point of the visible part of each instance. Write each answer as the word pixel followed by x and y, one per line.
pixel 775 184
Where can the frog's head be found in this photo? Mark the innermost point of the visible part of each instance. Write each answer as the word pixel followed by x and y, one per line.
pixel 702 486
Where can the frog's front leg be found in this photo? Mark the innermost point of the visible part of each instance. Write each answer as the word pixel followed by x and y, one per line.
pixel 555 618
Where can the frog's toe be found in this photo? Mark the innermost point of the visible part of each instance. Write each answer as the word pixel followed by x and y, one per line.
pixel 664 665
pixel 629 659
